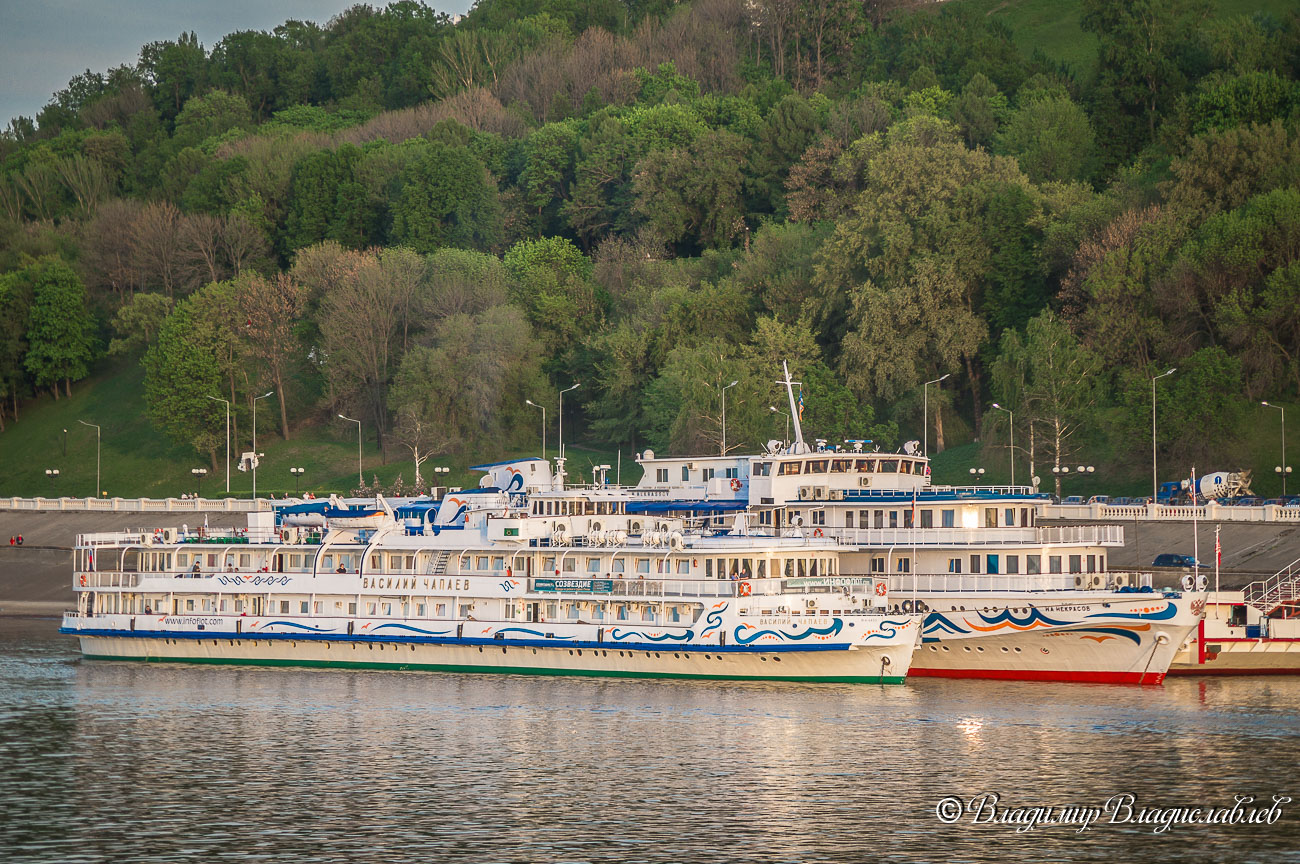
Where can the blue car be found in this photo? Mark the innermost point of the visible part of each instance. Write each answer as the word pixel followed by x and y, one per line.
pixel 1169 559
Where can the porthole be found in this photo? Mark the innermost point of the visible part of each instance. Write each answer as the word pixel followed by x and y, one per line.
pixel 946 648
pixel 932 648
pixel 503 650
pixel 966 648
pixel 579 652
pixel 1017 650
pixel 480 649
pixel 570 652
pixel 1005 650
pixel 656 654
pixel 979 648
pixel 764 659
pixel 534 650
pixel 678 656
pixel 777 659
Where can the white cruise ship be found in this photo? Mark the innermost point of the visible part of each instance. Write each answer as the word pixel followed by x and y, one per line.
pixel 1003 596
pixel 480 582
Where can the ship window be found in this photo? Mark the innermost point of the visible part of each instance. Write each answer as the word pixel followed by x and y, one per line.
pixel 731 473
pixel 954 565
pixel 889 466
pixel 284 607
pixel 643 565
pixel 618 565
pixel 573 611
pixel 370 608
pixel 1054 564
pixel 907 518
pixel 927 518
pixel 763 469
pixel 1076 563
pixel 621 613
pixel 841 466
pixel 818 466
pixel 212 560
pixel 866 466
pixel 570 565
pixel 991 564
pixel 466 609
pixel 877 565
pixel 893 518
pixel 904 565
pixel 302 607
pixel 904 466
pixel 948 518
pixel 818 517
pixel 1013 563
pixel 848 519
pixel 509 610
pixel 352 608
pixel 648 614
pixel 661 475
pixel 548 563
pixel 1092 563
pixel 440 610
pixel 189 605
pixel 1009 517
pixel 707 474
pixel 327 563
pixel 791 468
pixel 374 562
pixel 708 568
pixel 974 563
pixel 880 519
pixel 481 562
pixel 420 609
pixel 593 565
pixel 182 559
pixel 990 517
pixel 498 562
pixel 320 607
pixel 1033 564
pixel 686 473
pixel 683 566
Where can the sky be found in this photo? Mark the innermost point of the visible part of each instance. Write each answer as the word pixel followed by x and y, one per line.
pixel 44 43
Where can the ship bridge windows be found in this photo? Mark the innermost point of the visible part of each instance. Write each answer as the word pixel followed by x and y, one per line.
pixel 888 466
pixel 866 466
pixel 762 469
pixel 904 466
pixel 790 468
pixel 818 466
pixel 841 466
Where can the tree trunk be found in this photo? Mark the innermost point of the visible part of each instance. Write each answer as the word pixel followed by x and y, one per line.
pixel 67 387
pixel 1031 455
pixel 55 391
pixel 938 428
pixel 284 413
pixel 212 454
pixel 973 375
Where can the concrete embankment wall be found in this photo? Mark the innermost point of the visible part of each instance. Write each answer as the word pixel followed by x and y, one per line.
pixel 36 578
pixel 1251 550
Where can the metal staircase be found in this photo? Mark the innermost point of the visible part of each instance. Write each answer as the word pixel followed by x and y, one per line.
pixel 1280 589
pixel 440 563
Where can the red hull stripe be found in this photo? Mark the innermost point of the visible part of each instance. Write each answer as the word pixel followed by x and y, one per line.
pixel 1042 675
pixel 1222 670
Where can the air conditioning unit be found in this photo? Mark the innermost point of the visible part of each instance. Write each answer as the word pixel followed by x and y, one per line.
pixel 837 494
pixel 1119 580
pixel 805 493
pixel 864 481
pixel 169 535
pixel 819 493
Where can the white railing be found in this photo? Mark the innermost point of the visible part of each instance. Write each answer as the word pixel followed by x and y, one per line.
pixel 1282 587
pixel 1093 535
pixel 903 584
pixel 139 505
pixel 1211 512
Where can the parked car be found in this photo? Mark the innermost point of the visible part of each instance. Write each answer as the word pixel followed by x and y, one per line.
pixel 1170 559
pixel 1276 502
pixel 1140 502
pixel 1073 499
pixel 1122 501
pixel 1247 501
pixel 1099 499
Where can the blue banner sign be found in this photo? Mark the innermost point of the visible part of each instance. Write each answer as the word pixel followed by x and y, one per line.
pixel 574 586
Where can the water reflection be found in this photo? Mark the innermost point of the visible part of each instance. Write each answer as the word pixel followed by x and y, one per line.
pixel 126 762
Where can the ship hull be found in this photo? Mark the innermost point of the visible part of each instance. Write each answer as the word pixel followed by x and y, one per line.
pixel 886 663
pixel 1115 639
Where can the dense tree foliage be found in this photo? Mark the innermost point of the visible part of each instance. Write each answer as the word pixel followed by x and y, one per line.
pixel 428 223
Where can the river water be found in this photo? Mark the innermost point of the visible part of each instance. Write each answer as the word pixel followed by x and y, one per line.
pixel 126 762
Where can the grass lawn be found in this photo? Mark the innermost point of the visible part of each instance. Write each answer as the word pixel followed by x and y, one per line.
pixel 137 460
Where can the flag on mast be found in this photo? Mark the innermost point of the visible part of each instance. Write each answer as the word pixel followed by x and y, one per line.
pixel 801 403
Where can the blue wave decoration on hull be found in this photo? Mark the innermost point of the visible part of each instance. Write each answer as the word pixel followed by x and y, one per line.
pixel 410 628
pixel 528 632
pixel 1009 617
pixel 1111 631
pixel 299 626
pixel 713 620
pixel 937 622
pixel 886 634
pixel 1164 614
pixel 619 635
pixel 744 637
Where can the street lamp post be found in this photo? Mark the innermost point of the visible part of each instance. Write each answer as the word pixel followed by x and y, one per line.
pixel 65 443
pixel 257 455
pixel 97 451
pixel 562 392
pixel 1155 481
pixel 925 414
pixel 360 482
pixel 776 410
pixel 1011 424
pixel 543 410
pixel 297 475
pixel 226 402
pixel 1282 469
pixel 724 416
pixel 199 474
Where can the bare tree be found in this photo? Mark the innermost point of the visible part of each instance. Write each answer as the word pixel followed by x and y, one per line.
pixel 108 260
pixel 157 239
pixel 272 309
pixel 87 179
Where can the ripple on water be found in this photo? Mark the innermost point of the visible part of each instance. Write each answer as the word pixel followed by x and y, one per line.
pixel 126 762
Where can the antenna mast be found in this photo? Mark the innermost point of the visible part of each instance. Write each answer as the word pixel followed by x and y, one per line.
pixel 798 445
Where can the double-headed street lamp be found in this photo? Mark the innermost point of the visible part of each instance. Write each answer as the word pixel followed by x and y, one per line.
pixel 360 482
pixel 53 474
pixel 1283 469
pixel 199 474
pixel 297 475
pixel 543 410
pixel 925 414
pixel 97 451
pixel 1155 481
pixel 724 416
pixel 1011 424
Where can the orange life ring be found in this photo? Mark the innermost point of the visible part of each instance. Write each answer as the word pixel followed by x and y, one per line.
pixel 735 484
pixel 881 589
pixel 83 580
pixel 744 589
pixel 819 533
